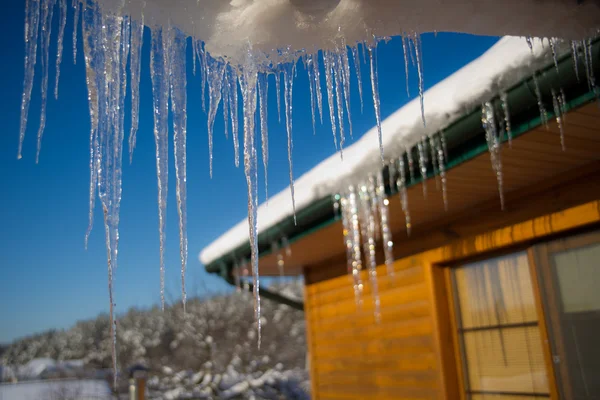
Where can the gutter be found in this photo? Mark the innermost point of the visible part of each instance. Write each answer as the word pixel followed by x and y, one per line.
pixel 465 140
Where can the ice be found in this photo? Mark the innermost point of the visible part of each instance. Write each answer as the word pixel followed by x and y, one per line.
pixel 345 66
pixel 263 88
pixel 32 22
pixel 403 191
pixel 529 41
pixel 137 36
pixel 201 54
pixel 372 50
pixel 317 84
pixel 367 198
pixel 411 164
pixel 59 43
pixel 177 79
pixel 348 243
pixel 334 60
pixel 277 74
pixel 491 136
pixel 225 99
pixel 506 111
pixel 214 73
pixel 356 60
pixel 416 38
pixel 232 100
pixel 405 52
pixel 423 165
pixel 589 67
pixel 556 104
pixel 575 55
pixel 310 69
pixel 441 161
pixel 47 11
pixel 288 84
pixel 330 96
pixel 248 85
pixel 540 101
pixel 553 43
pixel 434 161
pixel 386 232
pixel 355 237
pixel 75 6
pixel 160 91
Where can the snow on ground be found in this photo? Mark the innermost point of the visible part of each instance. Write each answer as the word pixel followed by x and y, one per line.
pixel 58 389
pixel 503 65
pixel 228 26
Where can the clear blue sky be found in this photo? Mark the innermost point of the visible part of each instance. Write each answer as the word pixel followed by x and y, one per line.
pixel 47 279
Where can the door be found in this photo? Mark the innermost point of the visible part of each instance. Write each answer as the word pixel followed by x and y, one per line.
pixel 569 276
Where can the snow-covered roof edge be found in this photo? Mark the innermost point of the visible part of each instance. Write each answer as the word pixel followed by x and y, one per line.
pixel 506 63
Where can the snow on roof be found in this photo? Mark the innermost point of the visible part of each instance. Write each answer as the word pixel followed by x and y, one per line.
pixel 506 63
pixel 228 26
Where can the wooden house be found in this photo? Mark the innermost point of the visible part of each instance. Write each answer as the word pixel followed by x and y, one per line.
pixel 483 302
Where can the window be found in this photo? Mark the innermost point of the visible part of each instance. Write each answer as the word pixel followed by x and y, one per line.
pixel 569 275
pixel 497 322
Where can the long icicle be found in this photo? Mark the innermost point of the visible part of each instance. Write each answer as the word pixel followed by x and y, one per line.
pixel 506 111
pixel 491 136
pixel 356 60
pixel 59 42
pixel 263 89
pixel 47 11
pixel 402 190
pixel 177 79
pixel 288 82
pixel 225 98
pixel 405 51
pixel 214 75
pixel 317 83
pixel 75 6
pixel 233 110
pixel 386 233
pixel 32 23
pixel 248 85
pixel 441 161
pixel 345 66
pixel 356 252
pixel 556 104
pixel 372 50
pixel 419 57
pixel 367 196
pixel 309 65
pixel 137 37
pixel 160 91
pixel 330 96
pixel 337 78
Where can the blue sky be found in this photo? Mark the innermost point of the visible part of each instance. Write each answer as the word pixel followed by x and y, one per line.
pixel 47 278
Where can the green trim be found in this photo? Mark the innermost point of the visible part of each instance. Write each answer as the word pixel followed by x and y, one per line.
pixel 465 140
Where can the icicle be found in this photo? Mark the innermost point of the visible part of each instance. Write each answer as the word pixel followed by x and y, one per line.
pixel 317 83
pixel 405 50
pixel 32 22
pixel 529 42
pixel 337 78
pixel 248 85
pixel 553 42
pixel 386 233
pixel 575 55
pixel 177 78
pixel 286 245
pixel 369 218
pixel 556 100
pixel 47 11
pixel 278 92
pixel 402 190
pixel 423 166
pixel 356 60
pixel 538 94
pixel 330 96
pixel 417 41
pixel 280 261
pixel 225 99
pixel 411 164
pixel 288 82
pixel 214 76
pixel 589 67
pixel 202 57
pixel 355 239
pixel 441 161
pixel 345 67
pixel 308 63
pixel 263 88
pixel 59 43
pixel 137 36
pixel 233 110
pixel 348 242
pixel 563 101
pixel 491 136
pixel 506 111
pixel 444 144
pixel 375 88
pixel 160 91
pixel 75 5
pixel 434 161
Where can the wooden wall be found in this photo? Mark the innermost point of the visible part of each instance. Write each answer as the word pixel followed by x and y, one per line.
pixel 410 354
